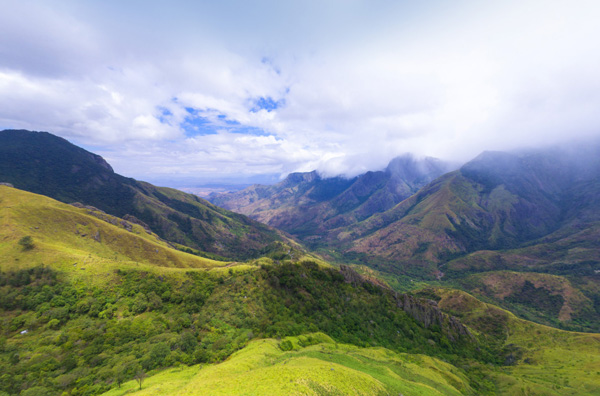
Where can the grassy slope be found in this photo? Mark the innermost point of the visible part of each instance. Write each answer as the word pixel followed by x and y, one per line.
pixel 566 263
pixel 452 215
pixel 45 164
pixel 68 238
pixel 556 231
pixel 548 361
pixel 325 368
pixel 102 272
pixel 553 362
pixel 545 298
pixel 192 221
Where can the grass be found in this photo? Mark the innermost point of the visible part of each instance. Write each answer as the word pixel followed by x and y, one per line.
pixel 546 361
pixel 324 368
pixel 75 240
pixel 549 361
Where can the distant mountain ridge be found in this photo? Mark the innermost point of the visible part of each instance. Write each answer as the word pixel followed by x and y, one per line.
pixel 307 205
pixel 518 227
pixel 497 201
pixel 45 164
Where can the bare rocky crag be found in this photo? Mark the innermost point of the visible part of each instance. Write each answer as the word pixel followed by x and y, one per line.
pixel 424 311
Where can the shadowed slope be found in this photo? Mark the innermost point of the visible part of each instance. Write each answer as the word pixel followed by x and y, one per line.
pixel 45 164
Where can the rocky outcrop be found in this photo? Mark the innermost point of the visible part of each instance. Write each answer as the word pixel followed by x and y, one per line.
pixel 351 276
pixel 135 220
pixel 429 314
pixel 7 185
pixel 423 311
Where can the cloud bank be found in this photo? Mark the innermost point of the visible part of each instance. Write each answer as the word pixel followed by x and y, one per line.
pixel 209 90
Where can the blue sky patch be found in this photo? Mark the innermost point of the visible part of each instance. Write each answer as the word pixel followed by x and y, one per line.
pixel 198 126
pixel 164 115
pixel 209 122
pixel 266 103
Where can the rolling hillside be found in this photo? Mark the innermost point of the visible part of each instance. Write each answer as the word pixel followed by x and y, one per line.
pixel 89 301
pixel 45 164
pixel 542 361
pixel 86 239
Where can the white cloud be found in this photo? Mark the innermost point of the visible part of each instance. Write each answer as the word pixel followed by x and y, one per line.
pixel 356 83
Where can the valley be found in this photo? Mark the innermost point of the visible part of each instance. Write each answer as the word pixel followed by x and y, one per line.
pixel 414 280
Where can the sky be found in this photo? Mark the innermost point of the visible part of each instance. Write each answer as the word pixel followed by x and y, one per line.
pixel 192 92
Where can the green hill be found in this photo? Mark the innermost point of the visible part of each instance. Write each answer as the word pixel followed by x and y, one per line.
pixel 323 368
pixel 46 164
pixel 549 362
pixel 87 240
pixel 518 229
pixel 542 360
pixel 89 300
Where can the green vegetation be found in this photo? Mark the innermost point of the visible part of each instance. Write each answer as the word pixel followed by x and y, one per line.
pixel 549 299
pixel 98 300
pixel 92 303
pixel 540 360
pixel 316 366
pixel 71 238
pixel 26 242
pixel 70 335
pixel 45 164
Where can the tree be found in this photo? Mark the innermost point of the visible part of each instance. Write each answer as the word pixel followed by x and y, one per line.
pixel 120 376
pixel 26 242
pixel 188 342
pixel 159 353
pixel 140 377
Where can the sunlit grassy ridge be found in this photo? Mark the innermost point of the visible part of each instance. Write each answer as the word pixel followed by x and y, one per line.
pixel 546 361
pixel 45 164
pixel 322 367
pixel 89 300
pixel 73 238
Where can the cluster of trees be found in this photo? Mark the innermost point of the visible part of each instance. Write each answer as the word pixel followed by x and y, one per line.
pixel 86 339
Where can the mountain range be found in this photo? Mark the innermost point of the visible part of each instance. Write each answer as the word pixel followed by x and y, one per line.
pixel 308 206
pixel 532 211
pixel 108 284
pixel 92 303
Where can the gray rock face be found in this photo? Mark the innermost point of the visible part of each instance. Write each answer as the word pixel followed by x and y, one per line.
pixel 428 314
pixel 351 276
pixel 423 311
pixel 7 185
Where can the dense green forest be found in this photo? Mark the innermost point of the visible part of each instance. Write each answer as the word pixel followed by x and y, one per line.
pixel 68 336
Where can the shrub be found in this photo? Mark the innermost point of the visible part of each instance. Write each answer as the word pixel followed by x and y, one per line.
pixel 26 242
